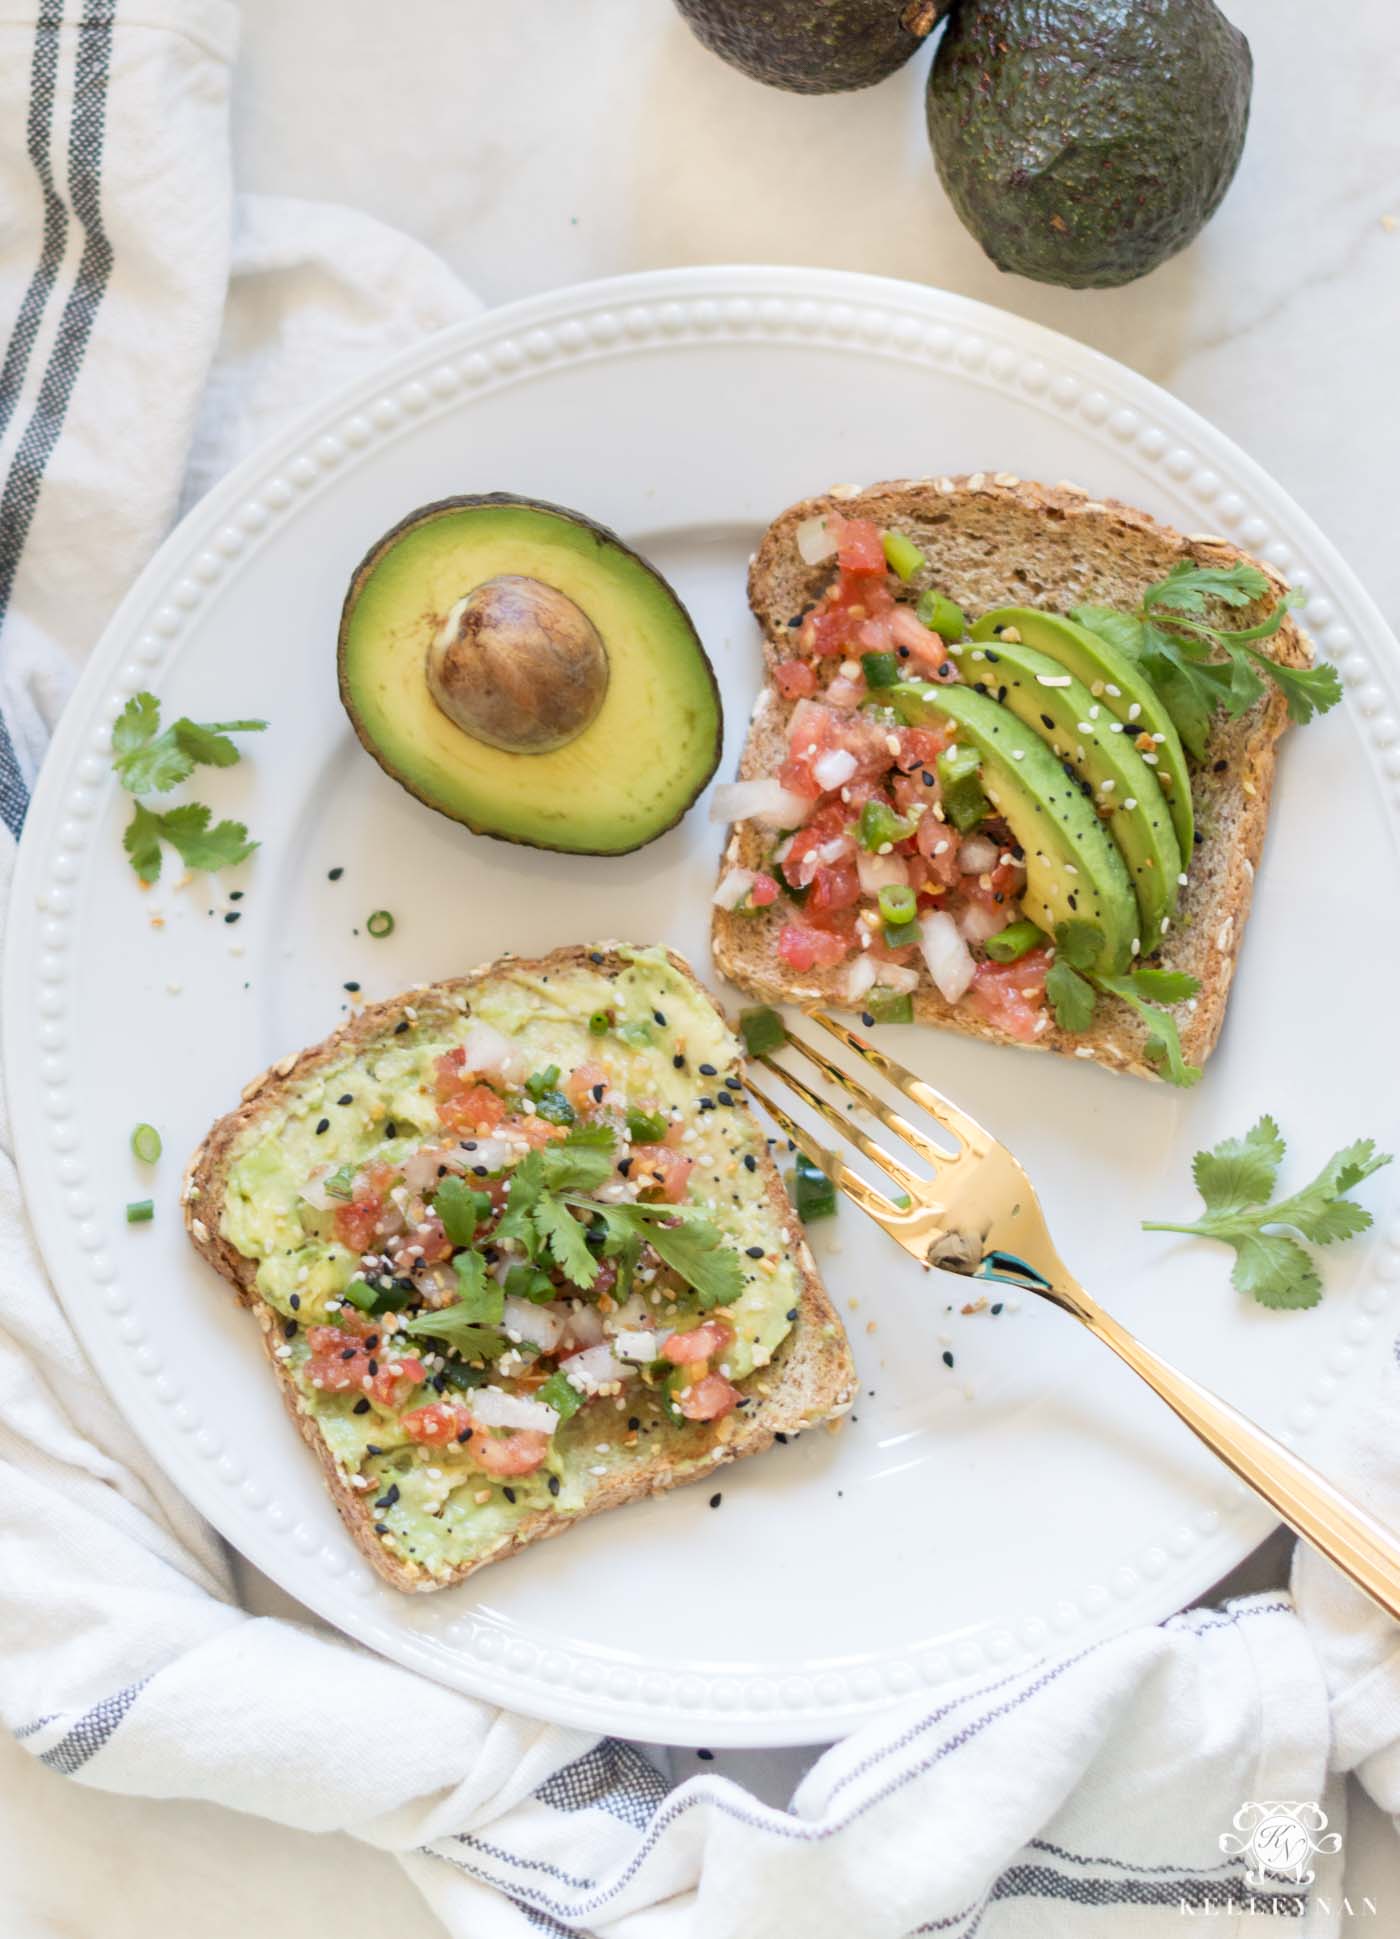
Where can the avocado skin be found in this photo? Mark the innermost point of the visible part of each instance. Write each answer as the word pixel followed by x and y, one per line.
pixel 812 46
pixel 1083 142
pixel 604 538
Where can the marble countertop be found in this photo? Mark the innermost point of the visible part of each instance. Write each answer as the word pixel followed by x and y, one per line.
pixel 536 146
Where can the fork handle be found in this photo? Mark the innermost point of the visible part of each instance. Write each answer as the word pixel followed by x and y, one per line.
pixel 1360 1546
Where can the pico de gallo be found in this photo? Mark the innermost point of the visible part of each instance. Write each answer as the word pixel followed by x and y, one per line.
pixel 512 1244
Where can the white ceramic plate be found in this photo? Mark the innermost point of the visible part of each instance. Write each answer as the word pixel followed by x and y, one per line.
pixel 1033 1495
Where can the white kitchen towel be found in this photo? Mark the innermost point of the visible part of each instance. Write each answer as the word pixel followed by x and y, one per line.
pixel 154 328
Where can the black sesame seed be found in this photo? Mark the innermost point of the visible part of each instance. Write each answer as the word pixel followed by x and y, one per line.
pixel 348 1353
pixel 334 875
pixel 996 1308
pixel 362 1407
pixel 352 987
pixel 947 1357
pixel 723 1097
pixel 1221 766
pixel 381 1528
pixel 389 1496
pixel 295 1302
pixel 289 1329
pixel 598 1093
pixel 707 1104
pixel 678 1061
pixel 624 1165
pixel 659 1017
pixel 554 1484
pixel 465 1435
pixel 792 1312
pixel 373 1366
pixel 715 1500
pixel 867 1019
pixel 235 895
pixel 400 1027
pixel 754 1252
pixel 509 1494
pixel 233 915
pixel 903 652
pixel 594 956
pixel 633 1423
pixel 391 1129
pixel 323 1126
pixel 1047 722
pixel 708 1070
pixel 926 777
pixel 750 1162
pixel 370 1448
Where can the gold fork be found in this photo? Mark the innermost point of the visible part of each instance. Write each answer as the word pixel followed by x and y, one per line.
pixel 980 1217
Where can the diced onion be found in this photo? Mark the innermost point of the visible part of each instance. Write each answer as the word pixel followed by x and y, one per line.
pixel 315 1193
pixel 490 1407
pixel 632 1315
pixel 541 1326
pixel 420 1172
pixel 949 960
pixel 733 887
pixel 860 976
pixel 834 768
pixel 492 1055
pixel 598 1367
pixel 895 976
pixel 977 855
pixel 584 1326
pixel 814 540
pixel 765 801
pixel 492 1153
pixel 977 922
pixel 878 872
pixel 642 1345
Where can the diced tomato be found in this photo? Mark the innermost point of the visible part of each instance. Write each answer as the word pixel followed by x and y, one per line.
pixel 832 629
pixel 660 1168
pixel 424 1243
pixel 928 652
pixel 859 545
pixel 708 1399
pixel 704 1342
pixel 580 1085
pixel 836 886
pixel 830 824
pixel 477 1109
pixel 519 1451
pixel 1012 995
pixel 795 679
pixel 438 1424
pixel 341 1359
pixel 762 891
pixel 535 1131
pixel 802 947
pixel 920 747
pixel 357 1223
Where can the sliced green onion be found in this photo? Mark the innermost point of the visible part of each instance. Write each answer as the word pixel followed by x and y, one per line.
pixel 880 824
pixel 1009 945
pixel 543 1080
pixel 899 935
pixel 813 1194
pixel 140 1211
pixel 646 1127
pixel 560 1393
pixel 889 1006
pixel 762 1030
pixel 936 611
pixel 380 923
pixel 901 554
pixel 145 1142
pixel 599 1024
pixel 360 1293
pixel 897 902
pixel 881 669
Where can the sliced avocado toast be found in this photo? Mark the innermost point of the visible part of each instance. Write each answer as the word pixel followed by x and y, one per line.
pixel 984 696
pixel 518 1253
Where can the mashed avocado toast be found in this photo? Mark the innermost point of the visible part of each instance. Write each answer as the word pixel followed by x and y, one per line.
pixel 518 1252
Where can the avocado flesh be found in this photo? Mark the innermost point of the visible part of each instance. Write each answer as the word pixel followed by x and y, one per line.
pixel 812 46
pixel 1074 871
pixel 1083 736
pixel 633 770
pixel 1119 685
pixel 1085 141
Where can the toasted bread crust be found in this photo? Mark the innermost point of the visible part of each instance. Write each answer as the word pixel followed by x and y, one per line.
pixel 810 1379
pixel 993 540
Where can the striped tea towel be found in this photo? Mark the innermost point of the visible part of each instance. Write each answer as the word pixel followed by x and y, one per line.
pixel 154 327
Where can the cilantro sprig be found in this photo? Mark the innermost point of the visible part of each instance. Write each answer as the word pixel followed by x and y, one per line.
pixel 1236 1179
pixel 689 1245
pixel 1073 987
pixel 1197 666
pixel 147 760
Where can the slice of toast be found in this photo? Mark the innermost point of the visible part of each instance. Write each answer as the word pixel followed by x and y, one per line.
pixel 809 1379
pixel 989 541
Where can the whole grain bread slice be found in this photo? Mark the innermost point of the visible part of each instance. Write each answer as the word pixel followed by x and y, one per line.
pixel 994 540
pixel 810 1379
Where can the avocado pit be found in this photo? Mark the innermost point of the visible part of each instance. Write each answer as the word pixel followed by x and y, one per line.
pixel 518 665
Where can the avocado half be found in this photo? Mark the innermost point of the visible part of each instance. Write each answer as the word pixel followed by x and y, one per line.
pixel 521 670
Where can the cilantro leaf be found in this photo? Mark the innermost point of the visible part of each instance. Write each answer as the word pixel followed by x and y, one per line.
pixel 1235 1179
pixel 461 1209
pixel 149 762
pixel 1308 690
pixel 455 1326
pixel 526 1184
pixel 576 1166
pixel 695 1250
pixel 479 1297
pixel 1071 998
pixel 1187 587
pixel 1165 986
pixel 200 846
pixel 142 842
pixel 1189 691
pixel 137 722
pixel 1163 1039
pixel 1079 943
pixel 561 1232
pixel 1121 630
pixel 1240 1171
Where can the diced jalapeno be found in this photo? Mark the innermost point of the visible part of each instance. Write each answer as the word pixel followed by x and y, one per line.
pixel 560 1393
pixel 964 803
pixel 646 1127
pixel 889 1006
pixel 813 1193
pixel 880 824
pixel 881 669
pixel 762 1030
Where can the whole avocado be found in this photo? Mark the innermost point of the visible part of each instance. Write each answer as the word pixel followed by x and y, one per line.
pixel 813 46
pixel 1085 141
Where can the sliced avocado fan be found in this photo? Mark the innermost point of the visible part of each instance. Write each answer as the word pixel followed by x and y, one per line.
pixel 1074 871
pixel 1084 735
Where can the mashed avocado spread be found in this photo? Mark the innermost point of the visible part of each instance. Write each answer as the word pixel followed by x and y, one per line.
pixel 515 1244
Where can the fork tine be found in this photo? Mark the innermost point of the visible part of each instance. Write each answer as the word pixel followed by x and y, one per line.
pixel 907 1180
pixel 938 1107
pixel 836 1169
pixel 926 1149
